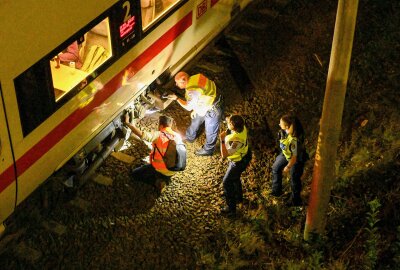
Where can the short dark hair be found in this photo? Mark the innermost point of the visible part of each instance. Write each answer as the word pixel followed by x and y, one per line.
pixel 237 122
pixel 166 121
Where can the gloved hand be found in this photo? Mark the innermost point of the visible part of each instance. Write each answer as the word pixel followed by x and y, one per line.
pixel 126 118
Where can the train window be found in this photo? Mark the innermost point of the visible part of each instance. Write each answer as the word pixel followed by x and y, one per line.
pixel 71 67
pixel 153 10
pixel 59 76
pixel 35 99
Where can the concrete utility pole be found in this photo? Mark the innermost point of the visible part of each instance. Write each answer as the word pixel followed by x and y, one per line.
pixel 330 125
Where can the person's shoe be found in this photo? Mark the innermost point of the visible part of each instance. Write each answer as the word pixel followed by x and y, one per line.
pixel 202 152
pixel 294 202
pixel 275 194
pixel 225 211
pixel 160 186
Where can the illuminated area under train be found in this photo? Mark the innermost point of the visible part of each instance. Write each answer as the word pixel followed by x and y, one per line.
pixel 71 67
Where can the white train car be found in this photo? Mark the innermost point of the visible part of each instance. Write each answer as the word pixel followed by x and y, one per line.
pixel 70 68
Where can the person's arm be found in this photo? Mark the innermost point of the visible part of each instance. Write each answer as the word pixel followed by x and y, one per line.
pixel 293 159
pixel 224 151
pixel 71 54
pixel 132 127
pixel 180 101
pixel 184 104
pixel 188 104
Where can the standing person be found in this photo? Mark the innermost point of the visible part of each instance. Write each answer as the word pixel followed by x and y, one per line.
pixel 156 172
pixel 291 159
pixel 202 99
pixel 234 146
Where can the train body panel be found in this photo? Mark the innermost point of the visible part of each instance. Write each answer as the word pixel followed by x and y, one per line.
pixel 6 162
pixel 33 28
pixel 82 114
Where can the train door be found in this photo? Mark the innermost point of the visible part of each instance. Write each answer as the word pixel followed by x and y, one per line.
pixel 7 169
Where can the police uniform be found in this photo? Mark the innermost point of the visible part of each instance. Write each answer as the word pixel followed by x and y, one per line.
pixel 239 156
pixel 202 97
pixel 290 147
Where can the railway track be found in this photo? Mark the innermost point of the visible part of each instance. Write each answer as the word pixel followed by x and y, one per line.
pixel 114 223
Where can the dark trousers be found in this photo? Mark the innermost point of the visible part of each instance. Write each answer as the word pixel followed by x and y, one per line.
pixel 148 174
pixel 232 184
pixel 212 121
pixel 295 176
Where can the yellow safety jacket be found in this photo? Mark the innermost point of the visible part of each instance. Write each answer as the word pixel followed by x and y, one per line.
pixel 206 89
pixel 288 145
pixel 161 143
pixel 241 138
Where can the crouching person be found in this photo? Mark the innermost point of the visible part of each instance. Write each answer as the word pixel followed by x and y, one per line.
pixel 156 172
pixel 234 146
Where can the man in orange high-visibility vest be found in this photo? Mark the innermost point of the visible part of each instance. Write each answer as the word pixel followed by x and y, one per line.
pixel 205 104
pixel 156 172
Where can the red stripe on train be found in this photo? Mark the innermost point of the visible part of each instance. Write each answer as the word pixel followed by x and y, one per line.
pixel 68 124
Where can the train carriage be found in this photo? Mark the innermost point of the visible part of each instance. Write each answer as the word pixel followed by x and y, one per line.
pixel 70 68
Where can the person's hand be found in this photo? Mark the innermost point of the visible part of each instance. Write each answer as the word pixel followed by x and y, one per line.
pixel 222 135
pixel 286 169
pixel 127 118
pixel 193 114
pixel 172 96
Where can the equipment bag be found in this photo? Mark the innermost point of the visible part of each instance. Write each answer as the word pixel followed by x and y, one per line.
pixel 175 155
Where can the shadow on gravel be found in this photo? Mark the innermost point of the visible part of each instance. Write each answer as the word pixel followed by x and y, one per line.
pixel 239 74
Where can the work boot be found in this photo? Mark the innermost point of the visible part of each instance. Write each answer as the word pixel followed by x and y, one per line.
pixel 226 211
pixel 296 201
pixel 202 152
pixel 160 186
pixel 275 194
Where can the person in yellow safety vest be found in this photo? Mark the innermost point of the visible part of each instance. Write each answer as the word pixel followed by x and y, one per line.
pixel 234 146
pixel 205 104
pixel 156 172
pixel 291 159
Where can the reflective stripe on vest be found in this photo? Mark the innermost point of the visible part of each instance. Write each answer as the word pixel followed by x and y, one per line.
pixel 238 137
pixel 285 146
pixel 161 143
pixel 206 88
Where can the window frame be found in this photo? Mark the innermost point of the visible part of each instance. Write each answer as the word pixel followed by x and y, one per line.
pixel 39 76
pixel 156 22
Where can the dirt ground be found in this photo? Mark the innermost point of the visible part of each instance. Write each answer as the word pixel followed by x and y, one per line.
pixel 273 60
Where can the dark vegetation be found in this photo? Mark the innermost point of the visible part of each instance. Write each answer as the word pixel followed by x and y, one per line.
pixel 288 64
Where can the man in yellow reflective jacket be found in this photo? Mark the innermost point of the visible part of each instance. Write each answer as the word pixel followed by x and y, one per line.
pixel 205 104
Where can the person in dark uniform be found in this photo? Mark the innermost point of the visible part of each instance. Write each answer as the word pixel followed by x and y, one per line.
pixel 291 159
pixel 234 146
pixel 205 104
